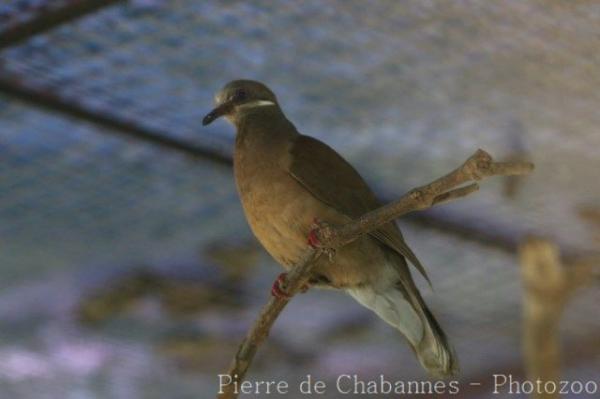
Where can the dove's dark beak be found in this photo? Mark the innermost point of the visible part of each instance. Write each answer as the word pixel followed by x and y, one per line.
pixel 218 112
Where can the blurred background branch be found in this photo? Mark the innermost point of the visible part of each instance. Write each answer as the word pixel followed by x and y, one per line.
pixel 548 287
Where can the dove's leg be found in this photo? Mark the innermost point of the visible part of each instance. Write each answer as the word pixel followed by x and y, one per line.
pixel 278 292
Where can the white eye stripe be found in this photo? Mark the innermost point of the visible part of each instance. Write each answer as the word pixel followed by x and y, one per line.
pixel 257 103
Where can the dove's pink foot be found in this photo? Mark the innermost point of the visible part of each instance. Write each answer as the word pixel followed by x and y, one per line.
pixel 278 292
pixel 313 240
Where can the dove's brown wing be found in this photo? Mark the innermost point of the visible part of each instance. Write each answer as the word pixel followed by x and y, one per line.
pixel 328 177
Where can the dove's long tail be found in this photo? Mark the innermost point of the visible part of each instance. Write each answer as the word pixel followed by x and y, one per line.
pixel 404 309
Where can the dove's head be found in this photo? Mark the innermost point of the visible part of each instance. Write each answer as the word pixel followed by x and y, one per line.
pixel 238 97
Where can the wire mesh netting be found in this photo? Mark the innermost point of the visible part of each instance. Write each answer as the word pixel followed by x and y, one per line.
pixel 406 91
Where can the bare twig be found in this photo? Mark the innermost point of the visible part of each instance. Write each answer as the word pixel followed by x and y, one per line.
pixel 447 188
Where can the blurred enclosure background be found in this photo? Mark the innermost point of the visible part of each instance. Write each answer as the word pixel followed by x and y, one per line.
pixel 126 267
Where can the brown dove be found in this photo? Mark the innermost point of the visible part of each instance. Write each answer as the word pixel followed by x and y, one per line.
pixel 287 180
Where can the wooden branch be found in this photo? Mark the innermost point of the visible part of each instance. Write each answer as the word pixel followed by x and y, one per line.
pixel 548 286
pixel 544 282
pixel 447 188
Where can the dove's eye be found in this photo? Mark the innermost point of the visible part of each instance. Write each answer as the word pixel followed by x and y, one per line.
pixel 240 95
